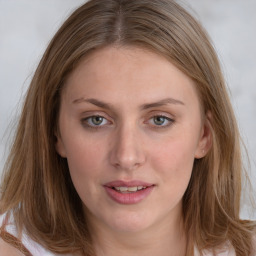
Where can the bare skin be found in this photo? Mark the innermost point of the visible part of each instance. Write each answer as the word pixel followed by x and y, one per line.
pixel 128 114
pixel 7 249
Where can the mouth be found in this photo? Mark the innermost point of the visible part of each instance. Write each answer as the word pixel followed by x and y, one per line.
pixel 128 192
pixel 129 189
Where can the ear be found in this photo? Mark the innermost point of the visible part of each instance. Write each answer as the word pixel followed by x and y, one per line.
pixel 205 140
pixel 59 146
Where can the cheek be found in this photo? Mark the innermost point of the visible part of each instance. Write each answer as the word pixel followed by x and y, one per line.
pixel 84 161
pixel 83 153
pixel 173 164
pixel 174 160
pixel 84 167
pixel 174 153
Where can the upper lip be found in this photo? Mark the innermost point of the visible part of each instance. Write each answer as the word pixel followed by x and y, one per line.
pixel 132 183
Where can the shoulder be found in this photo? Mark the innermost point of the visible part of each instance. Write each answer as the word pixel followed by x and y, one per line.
pixel 7 250
pixel 10 240
pixel 254 244
pixel 224 250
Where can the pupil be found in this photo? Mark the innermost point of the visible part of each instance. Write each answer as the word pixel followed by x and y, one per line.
pixel 97 120
pixel 159 120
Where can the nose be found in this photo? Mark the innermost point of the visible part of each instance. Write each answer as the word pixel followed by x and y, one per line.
pixel 127 149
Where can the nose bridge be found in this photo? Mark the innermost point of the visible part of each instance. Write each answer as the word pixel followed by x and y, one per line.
pixel 127 152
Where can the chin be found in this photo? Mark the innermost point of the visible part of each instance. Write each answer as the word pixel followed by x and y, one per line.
pixel 129 222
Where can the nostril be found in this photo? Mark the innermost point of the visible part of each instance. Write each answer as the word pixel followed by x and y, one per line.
pixel 126 151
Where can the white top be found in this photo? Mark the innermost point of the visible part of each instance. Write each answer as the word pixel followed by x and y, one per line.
pixel 37 250
pixel 33 247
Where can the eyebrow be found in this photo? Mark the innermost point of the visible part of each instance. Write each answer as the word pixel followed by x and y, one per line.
pixel 105 105
pixel 162 103
pixel 95 102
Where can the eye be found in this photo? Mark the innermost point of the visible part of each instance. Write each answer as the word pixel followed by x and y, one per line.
pixel 95 121
pixel 161 121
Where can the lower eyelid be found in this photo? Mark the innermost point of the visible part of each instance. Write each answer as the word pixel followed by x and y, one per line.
pixel 163 116
pixel 90 118
pixel 170 121
pixel 86 122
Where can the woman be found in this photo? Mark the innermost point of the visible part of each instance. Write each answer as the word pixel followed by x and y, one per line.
pixel 127 143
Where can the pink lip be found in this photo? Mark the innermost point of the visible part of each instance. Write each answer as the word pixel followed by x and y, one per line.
pixel 128 198
pixel 133 183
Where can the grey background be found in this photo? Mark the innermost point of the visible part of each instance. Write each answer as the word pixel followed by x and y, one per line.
pixel 26 26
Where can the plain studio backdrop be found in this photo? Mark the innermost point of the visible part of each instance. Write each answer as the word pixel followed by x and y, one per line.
pixel 26 27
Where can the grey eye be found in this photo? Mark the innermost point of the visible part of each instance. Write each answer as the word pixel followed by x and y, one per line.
pixel 159 120
pixel 97 120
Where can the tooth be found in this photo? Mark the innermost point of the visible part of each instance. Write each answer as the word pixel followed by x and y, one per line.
pixel 132 189
pixel 129 189
pixel 123 189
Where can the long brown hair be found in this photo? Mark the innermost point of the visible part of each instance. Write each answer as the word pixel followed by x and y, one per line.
pixel 37 186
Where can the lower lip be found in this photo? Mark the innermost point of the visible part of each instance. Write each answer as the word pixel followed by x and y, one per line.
pixel 128 198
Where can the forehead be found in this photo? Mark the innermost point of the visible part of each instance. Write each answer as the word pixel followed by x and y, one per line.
pixel 132 72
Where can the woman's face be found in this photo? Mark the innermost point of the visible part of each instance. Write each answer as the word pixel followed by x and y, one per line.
pixel 130 127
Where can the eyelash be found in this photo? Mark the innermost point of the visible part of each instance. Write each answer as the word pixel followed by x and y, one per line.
pixel 169 121
pixel 87 122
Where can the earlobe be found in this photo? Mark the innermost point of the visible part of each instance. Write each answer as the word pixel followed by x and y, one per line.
pixel 59 146
pixel 205 141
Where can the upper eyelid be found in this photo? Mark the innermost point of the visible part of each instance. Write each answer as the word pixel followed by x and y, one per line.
pixel 161 113
pixel 91 116
pixel 147 116
pixel 169 123
pixel 84 121
pixel 166 117
pixel 151 112
pixel 88 114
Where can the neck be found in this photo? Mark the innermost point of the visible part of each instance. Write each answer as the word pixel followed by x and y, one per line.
pixel 165 239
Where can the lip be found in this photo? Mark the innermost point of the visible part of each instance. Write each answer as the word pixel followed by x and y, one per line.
pixel 132 183
pixel 128 198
